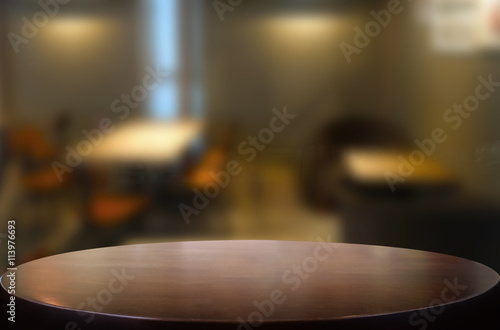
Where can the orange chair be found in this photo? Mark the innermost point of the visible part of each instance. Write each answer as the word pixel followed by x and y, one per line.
pixel 108 208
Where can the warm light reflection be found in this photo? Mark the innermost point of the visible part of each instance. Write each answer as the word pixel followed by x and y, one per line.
pixel 303 25
pixel 73 28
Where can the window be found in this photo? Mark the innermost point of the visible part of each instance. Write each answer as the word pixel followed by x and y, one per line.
pixel 176 27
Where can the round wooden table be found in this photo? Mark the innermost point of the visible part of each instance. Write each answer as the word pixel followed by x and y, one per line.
pixel 254 284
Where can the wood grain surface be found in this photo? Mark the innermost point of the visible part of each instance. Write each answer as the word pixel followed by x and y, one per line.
pixel 250 284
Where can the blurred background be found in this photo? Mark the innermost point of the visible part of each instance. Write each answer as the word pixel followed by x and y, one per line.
pixel 126 122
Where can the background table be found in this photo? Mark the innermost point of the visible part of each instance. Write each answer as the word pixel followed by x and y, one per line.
pixel 370 167
pixel 146 142
pixel 213 284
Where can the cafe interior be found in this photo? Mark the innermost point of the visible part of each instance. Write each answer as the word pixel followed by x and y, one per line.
pixel 129 122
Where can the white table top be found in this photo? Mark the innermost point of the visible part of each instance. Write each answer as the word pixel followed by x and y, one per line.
pixel 146 142
pixel 370 166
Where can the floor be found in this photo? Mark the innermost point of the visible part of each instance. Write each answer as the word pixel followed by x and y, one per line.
pixel 262 202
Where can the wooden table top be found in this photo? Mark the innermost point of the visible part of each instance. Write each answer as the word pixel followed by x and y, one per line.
pixel 226 281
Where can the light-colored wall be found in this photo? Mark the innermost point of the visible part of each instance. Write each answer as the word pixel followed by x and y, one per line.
pixel 257 61
pixel 438 80
pixel 80 62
